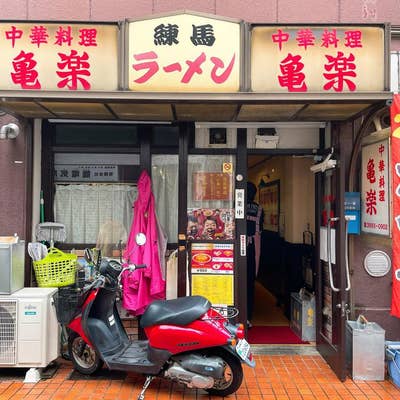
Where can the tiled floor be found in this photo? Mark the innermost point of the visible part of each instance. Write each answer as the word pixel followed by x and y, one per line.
pixel 276 377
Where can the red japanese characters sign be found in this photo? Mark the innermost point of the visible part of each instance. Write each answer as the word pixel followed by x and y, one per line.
pixel 58 56
pixel 375 187
pixel 317 58
pixel 212 258
pixel 184 53
pixel 212 186
pixel 395 160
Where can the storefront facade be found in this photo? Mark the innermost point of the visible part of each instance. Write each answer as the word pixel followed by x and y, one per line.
pixel 206 103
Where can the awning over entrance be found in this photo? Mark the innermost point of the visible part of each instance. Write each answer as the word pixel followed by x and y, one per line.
pixel 163 106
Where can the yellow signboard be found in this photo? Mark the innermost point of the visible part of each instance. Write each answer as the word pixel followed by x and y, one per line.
pixel 186 52
pixel 58 56
pixel 317 59
pixel 216 288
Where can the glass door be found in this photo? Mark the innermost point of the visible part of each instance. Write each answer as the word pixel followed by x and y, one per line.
pixel 210 232
pixel 333 281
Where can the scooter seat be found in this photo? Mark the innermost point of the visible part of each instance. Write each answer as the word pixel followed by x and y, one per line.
pixel 180 311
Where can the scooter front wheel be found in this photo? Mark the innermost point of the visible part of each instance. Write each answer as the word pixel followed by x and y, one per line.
pixel 84 357
pixel 233 376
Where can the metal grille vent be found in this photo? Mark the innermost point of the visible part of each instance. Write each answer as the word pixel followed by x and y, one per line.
pixel 8 331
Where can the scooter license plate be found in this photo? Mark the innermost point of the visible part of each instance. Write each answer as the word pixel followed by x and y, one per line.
pixel 243 349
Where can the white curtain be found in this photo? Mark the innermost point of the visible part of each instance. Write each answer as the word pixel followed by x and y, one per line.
pixel 95 212
pixel 165 184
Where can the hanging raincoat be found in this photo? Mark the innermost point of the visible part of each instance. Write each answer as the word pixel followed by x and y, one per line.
pixel 143 286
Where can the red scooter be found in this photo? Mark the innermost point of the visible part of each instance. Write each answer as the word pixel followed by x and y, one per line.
pixel 189 341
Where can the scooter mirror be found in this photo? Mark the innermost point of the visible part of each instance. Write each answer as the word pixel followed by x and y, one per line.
pixel 89 256
pixel 140 239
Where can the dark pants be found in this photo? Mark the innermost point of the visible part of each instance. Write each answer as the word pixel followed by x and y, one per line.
pixel 251 277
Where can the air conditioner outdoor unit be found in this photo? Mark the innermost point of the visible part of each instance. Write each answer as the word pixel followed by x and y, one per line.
pixel 29 330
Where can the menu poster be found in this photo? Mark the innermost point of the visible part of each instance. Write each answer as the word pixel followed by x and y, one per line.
pixel 216 288
pixel 212 186
pixel 212 258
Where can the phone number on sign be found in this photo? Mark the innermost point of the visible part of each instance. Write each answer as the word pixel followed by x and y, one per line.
pixel 375 226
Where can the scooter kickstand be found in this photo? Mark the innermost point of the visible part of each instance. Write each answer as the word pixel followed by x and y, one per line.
pixel 146 384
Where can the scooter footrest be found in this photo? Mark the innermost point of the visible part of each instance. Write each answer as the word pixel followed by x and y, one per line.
pixel 133 358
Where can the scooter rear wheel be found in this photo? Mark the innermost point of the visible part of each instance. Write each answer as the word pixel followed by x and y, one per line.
pixel 84 357
pixel 233 376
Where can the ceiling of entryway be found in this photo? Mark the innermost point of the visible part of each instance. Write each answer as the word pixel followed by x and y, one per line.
pixel 218 107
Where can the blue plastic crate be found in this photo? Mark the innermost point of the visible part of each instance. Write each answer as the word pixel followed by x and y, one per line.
pixel 393 361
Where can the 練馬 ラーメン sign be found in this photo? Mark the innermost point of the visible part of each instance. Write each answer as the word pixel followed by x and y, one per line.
pixel 184 52
pixel 317 58
pixel 58 56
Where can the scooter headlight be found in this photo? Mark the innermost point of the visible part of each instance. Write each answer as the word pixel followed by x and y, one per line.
pixel 110 269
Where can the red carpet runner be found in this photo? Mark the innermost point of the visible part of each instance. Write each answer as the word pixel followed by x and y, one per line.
pixel 273 335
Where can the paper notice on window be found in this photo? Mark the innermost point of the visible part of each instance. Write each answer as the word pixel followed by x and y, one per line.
pixel 323 245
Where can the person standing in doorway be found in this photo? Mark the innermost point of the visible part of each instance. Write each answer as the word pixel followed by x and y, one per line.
pixel 255 221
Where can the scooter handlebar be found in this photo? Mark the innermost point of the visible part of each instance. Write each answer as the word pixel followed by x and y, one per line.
pixel 98 282
pixel 133 267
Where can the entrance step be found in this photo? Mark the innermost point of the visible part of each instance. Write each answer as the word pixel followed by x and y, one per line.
pixel 295 349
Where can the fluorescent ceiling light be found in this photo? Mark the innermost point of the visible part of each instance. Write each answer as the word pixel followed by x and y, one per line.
pixel 260 124
pixel 95 121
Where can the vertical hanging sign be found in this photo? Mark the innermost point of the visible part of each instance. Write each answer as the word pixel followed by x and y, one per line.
pixel 395 123
pixel 375 188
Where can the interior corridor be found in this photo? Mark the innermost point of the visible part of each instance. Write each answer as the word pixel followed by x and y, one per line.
pixel 266 311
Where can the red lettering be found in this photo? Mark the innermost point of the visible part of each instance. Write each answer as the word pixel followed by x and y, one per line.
pixel 25 73
pixel 63 36
pixel 88 37
pixel 305 38
pixel 73 66
pixel 292 76
pixel 343 68
pixel 13 34
pixel 38 35
pixel 280 38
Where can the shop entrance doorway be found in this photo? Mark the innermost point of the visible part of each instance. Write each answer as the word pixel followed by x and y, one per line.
pixel 286 192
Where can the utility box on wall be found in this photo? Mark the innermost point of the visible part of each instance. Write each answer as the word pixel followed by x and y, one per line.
pixel 352 212
pixel 302 315
pixel 12 273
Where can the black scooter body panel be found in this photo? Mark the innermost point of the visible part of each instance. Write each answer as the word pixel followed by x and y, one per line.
pixel 108 336
pixel 103 326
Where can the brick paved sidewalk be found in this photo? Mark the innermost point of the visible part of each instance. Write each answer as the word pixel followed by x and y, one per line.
pixel 276 377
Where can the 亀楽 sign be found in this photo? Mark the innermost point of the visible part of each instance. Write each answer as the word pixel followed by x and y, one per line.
pixel 317 58
pixel 58 56
pixel 375 188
